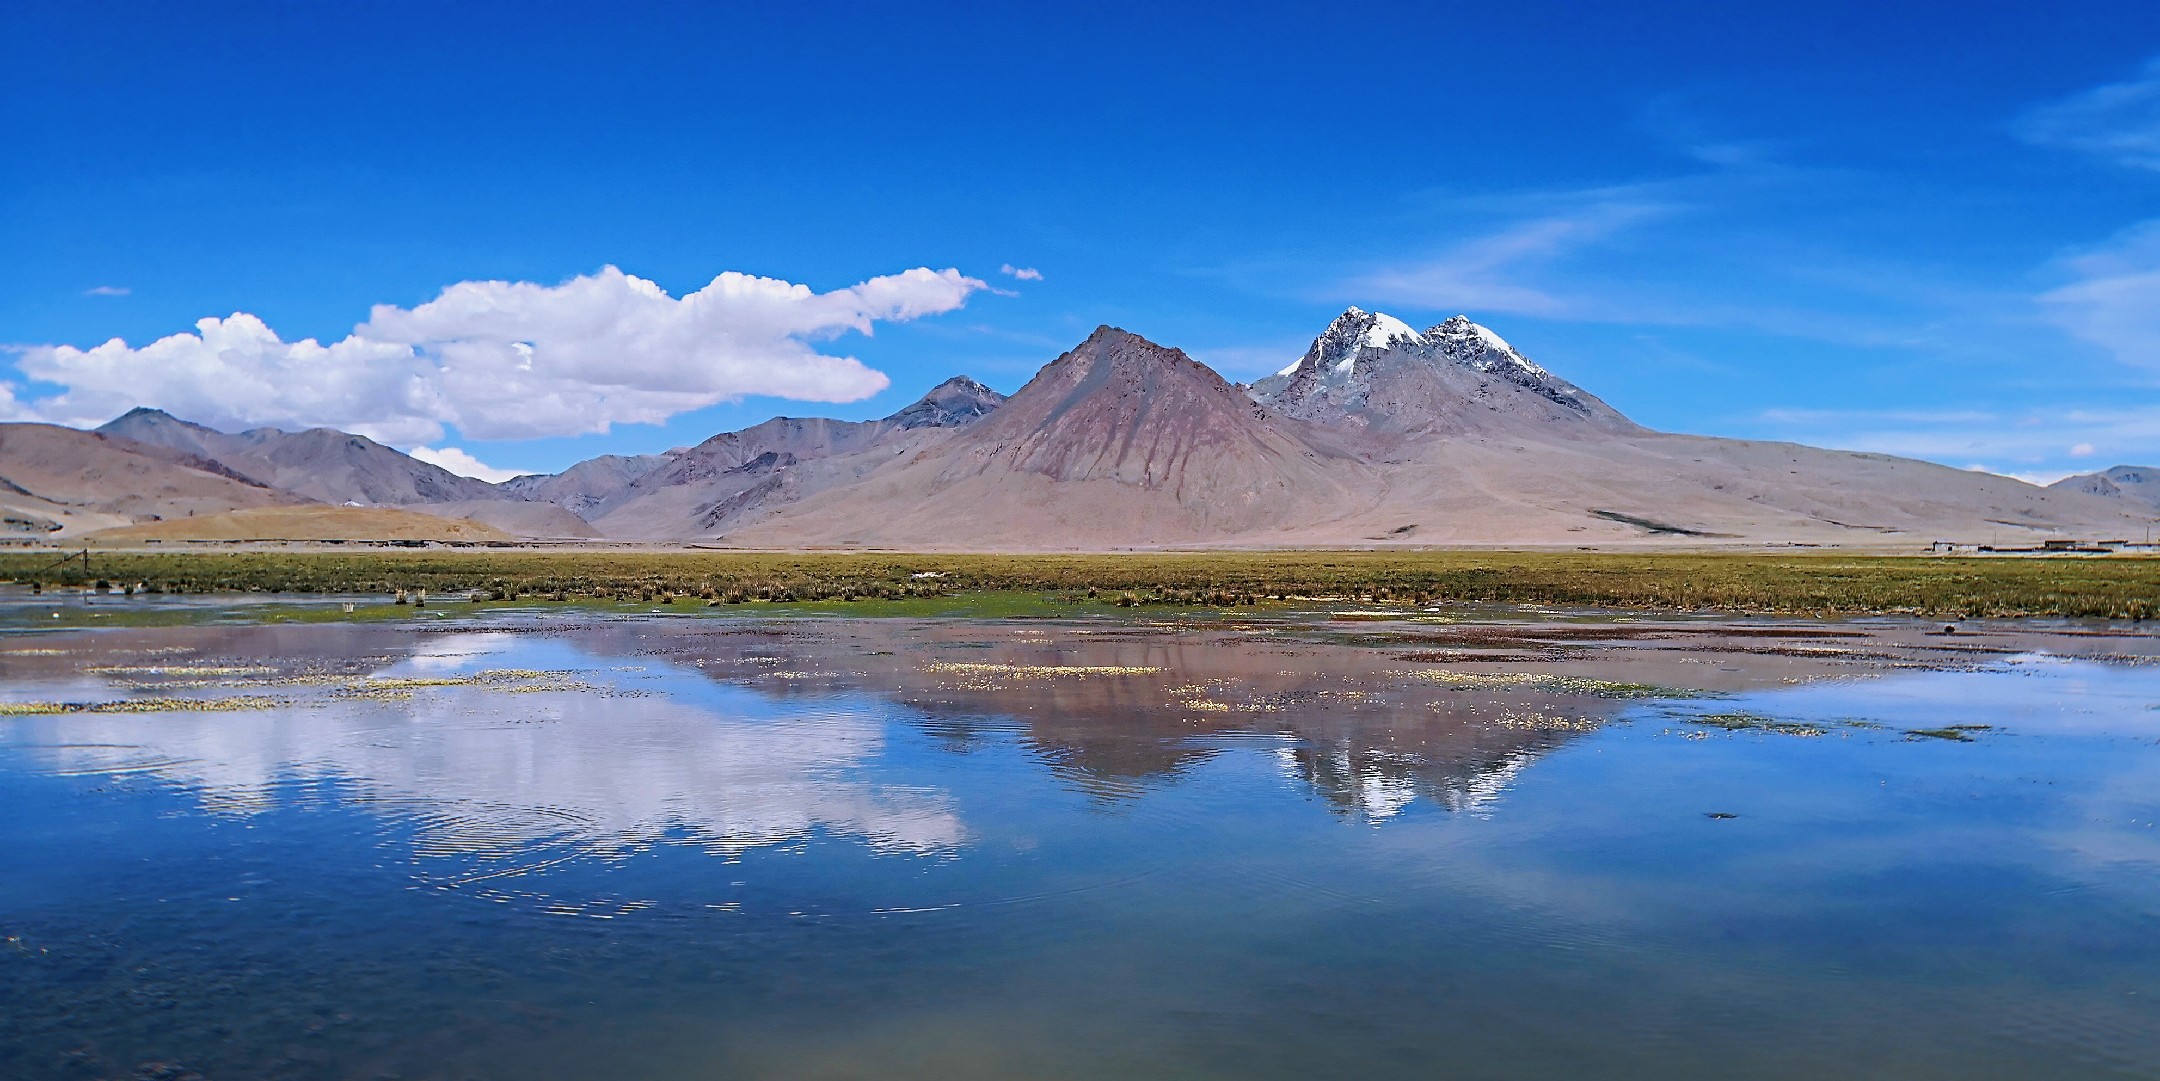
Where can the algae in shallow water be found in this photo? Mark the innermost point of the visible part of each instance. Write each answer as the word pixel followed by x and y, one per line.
pixel 1039 671
pixel 1744 721
pixel 141 705
pixel 1545 681
pixel 1956 733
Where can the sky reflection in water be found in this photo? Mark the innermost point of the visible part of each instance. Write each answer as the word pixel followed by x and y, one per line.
pixel 900 851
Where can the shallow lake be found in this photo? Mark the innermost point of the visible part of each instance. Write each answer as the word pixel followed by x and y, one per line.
pixel 1498 844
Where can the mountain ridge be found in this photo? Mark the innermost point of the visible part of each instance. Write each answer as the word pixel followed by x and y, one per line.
pixel 55 479
pixel 2135 484
pixel 732 476
pixel 1372 371
pixel 324 464
pixel 1378 434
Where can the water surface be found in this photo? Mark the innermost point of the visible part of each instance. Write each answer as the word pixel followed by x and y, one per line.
pixel 1522 844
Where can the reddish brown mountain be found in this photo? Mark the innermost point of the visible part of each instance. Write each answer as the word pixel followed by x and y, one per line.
pixel 55 479
pixel 743 476
pixel 1119 441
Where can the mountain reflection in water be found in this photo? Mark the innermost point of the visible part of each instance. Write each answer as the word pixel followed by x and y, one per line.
pixel 735 739
pixel 1116 711
pixel 884 848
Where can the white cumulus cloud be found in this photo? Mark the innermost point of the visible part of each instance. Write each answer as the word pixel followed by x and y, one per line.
pixel 502 360
pixel 1021 273
pixel 461 462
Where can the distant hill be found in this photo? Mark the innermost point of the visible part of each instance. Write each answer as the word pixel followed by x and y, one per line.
pixel 1119 441
pixel 320 463
pixel 1381 434
pixel 584 488
pixel 63 481
pixel 741 476
pixel 2138 485
pixel 1378 434
pixel 329 466
pixel 530 519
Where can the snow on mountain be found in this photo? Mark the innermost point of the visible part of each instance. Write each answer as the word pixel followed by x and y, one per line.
pixel 1466 343
pixel 1118 437
pixel 1371 370
pixel 1379 435
pixel 1354 334
pixel 1359 337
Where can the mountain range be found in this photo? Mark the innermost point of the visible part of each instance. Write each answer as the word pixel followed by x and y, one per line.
pixel 2137 486
pixel 1378 434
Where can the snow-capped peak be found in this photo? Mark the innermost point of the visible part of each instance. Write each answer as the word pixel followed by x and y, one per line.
pixel 1382 330
pixel 1460 325
pixel 1374 369
pixel 1359 344
pixel 1353 333
pixel 1467 343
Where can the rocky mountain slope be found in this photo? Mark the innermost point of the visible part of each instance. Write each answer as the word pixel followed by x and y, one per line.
pixel 1378 434
pixel 334 467
pixel 1481 445
pixel 63 481
pixel 1370 370
pixel 739 476
pixel 1383 434
pixel 320 463
pixel 2137 485
pixel 1119 441
pixel 585 487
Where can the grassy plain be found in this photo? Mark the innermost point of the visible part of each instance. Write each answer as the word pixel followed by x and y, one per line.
pixel 2125 587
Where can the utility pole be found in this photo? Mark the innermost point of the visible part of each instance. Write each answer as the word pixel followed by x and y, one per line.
pixel 63 561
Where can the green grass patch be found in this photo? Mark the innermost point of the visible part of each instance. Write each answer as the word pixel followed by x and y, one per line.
pixel 1816 584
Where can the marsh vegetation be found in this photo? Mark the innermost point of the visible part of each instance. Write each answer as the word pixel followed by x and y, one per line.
pixel 2120 587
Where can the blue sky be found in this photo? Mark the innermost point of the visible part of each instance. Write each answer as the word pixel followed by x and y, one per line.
pixel 1918 228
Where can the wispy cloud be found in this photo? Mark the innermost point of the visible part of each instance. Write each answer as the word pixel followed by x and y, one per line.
pixel 2047 443
pixel 2118 121
pixel 1021 273
pixel 1687 251
pixel 107 291
pixel 1687 125
pixel 2113 299
pixel 1490 273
